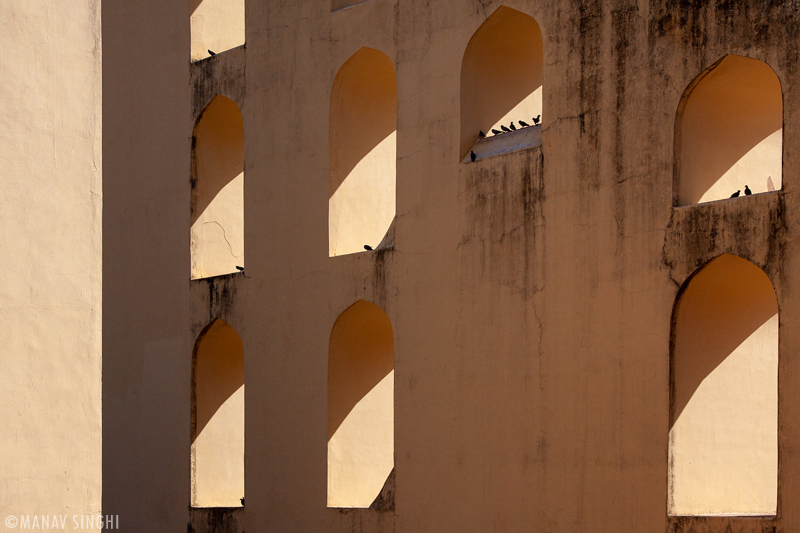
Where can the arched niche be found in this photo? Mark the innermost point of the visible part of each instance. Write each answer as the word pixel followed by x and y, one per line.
pixel 729 132
pixel 216 25
pixel 217 209
pixel 723 441
pixel 360 406
pixel 363 152
pixel 501 75
pixel 217 416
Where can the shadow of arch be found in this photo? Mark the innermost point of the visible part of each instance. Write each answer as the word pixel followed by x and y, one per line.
pixel 217 417
pixel 360 405
pixel 723 391
pixel 501 74
pixel 363 152
pixel 729 132
pixel 217 202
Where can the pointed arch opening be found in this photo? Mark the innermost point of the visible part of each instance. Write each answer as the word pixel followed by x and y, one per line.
pixel 363 152
pixel 360 406
pixel 501 76
pixel 217 433
pixel 217 207
pixel 729 132
pixel 216 25
pixel 723 441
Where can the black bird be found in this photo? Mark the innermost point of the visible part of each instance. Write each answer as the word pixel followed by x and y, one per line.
pixel 505 129
pixel 472 156
pixel 513 127
pixel 481 134
pixel 367 247
pixel 736 194
pixel 523 124
pixel 212 53
pixel 747 191
pixel 242 500
pixel 536 119
pixel 240 269
pixel 496 132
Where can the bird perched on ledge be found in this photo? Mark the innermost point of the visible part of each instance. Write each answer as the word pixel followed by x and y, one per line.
pixel 523 124
pixel 512 126
pixel 496 132
pixel 736 194
pixel 212 53
pixel 472 156
pixel 367 247
pixel 505 129
pixel 536 119
pixel 747 191
pixel 240 269
pixel 481 134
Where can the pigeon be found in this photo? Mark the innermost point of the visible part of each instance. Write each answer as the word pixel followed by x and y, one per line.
pixel 505 129
pixel 481 134
pixel 496 132
pixel 736 194
pixel 472 156
pixel 523 124
pixel 513 127
pixel 747 191
pixel 240 269
pixel 367 247
pixel 212 53
pixel 242 500
pixel 536 119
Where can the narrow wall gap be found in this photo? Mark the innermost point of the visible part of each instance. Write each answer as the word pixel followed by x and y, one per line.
pixel 723 440
pixel 360 406
pixel 217 431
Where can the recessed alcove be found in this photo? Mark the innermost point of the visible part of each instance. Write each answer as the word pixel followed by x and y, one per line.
pixel 363 152
pixel 360 406
pixel 723 439
pixel 216 25
pixel 217 418
pixel 729 132
pixel 501 76
pixel 217 203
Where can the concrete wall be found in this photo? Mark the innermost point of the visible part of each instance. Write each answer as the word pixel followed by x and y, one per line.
pixel 530 294
pixel 50 252
pixel 147 335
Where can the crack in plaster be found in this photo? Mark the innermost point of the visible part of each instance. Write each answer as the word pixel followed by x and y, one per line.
pixel 224 236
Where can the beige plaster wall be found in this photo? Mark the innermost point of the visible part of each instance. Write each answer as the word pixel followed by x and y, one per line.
pixel 363 152
pixel 724 426
pixel 530 294
pixel 218 418
pixel 217 25
pixel 217 216
pixel 50 252
pixel 501 75
pixel 730 132
pixel 360 406
pixel 147 335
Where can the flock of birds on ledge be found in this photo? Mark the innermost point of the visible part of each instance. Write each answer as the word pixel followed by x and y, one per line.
pixel 504 129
